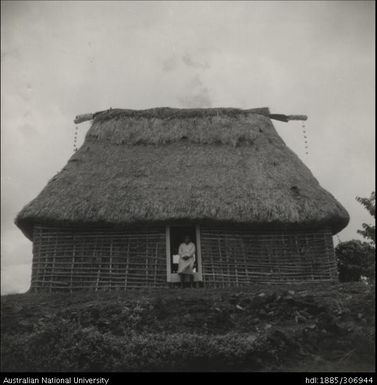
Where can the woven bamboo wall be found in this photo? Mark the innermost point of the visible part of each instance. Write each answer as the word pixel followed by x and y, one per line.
pixel 107 259
pixel 235 257
pixel 98 259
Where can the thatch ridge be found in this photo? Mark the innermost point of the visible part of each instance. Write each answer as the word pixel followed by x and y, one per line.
pixel 170 113
pixel 202 126
pixel 138 169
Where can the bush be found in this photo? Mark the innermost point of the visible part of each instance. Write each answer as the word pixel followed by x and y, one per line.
pixel 355 259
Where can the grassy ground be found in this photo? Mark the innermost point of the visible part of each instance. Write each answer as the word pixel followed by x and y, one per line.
pixel 260 328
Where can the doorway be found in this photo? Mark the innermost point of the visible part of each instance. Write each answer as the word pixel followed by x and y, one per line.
pixel 174 237
pixel 177 236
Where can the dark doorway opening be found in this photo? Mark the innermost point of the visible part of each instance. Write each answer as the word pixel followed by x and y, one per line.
pixel 177 235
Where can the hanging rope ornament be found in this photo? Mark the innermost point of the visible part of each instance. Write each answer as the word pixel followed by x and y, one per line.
pixel 305 135
pixel 75 139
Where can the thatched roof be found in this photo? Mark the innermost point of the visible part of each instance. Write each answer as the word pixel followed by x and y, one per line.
pixel 166 164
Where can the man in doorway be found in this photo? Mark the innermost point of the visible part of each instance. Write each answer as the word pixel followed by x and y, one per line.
pixel 186 262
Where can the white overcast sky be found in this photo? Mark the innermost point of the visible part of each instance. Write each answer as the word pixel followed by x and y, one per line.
pixel 60 59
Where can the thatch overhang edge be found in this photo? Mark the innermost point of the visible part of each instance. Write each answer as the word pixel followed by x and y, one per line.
pixel 27 224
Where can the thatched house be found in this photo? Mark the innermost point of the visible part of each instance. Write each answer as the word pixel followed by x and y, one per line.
pixel 114 216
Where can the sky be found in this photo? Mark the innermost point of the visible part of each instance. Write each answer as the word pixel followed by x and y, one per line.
pixel 61 59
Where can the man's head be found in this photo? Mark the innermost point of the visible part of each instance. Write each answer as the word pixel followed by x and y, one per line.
pixel 187 239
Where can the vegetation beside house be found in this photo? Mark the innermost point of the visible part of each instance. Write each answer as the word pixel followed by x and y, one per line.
pixel 357 258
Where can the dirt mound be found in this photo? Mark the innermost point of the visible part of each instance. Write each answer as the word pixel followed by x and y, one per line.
pixel 259 328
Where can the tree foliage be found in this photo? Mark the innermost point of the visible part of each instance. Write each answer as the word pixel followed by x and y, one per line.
pixel 369 231
pixel 355 259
